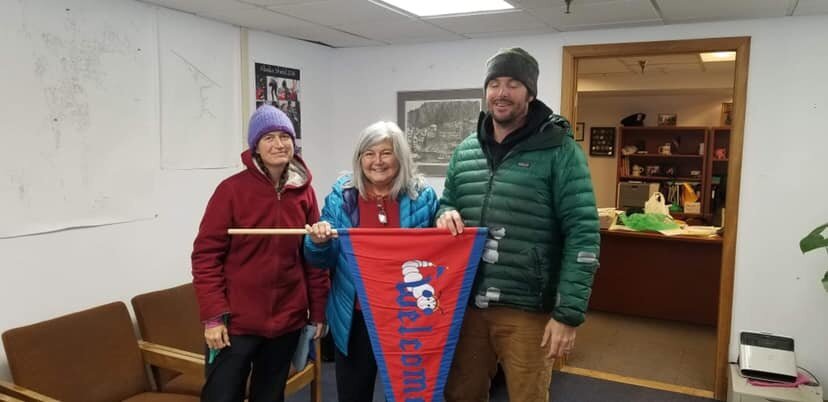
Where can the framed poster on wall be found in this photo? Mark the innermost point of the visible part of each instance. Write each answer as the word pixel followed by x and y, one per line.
pixel 434 122
pixel 602 141
pixel 279 86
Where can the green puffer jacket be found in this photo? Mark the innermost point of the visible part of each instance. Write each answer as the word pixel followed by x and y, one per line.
pixel 539 206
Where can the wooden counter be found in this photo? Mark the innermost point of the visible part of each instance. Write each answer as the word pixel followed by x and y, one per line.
pixel 657 276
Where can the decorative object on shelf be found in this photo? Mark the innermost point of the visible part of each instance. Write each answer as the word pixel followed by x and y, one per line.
pixel 695 173
pixel 634 120
pixel 727 113
pixel 720 153
pixel 692 207
pixel 665 149
pixel 815 240
pixel 602 141
pixel 579 131
pixel 629 150
pixel 701 148
pixel 653 170
pixel 637 170
pixel 434 122
pixel 667 119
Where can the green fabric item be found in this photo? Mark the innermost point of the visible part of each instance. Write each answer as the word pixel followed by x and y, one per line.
pixel 540 198
pixel 644 222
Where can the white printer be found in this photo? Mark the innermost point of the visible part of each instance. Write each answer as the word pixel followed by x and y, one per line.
pixel 770 358
pixel 739 390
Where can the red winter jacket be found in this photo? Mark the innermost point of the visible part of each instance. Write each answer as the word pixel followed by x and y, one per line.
pixel 262 282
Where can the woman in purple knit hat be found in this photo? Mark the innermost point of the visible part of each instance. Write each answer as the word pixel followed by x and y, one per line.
pixel 256 293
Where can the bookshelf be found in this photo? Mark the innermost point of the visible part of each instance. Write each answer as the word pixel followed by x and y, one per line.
pixel 670 155
pixel 717 165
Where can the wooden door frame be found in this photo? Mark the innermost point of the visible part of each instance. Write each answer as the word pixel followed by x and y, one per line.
pixel 741 45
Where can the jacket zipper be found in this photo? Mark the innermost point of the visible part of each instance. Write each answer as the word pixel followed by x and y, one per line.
pixel 490 185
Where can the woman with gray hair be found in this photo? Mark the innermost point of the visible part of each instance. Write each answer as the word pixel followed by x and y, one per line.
pixel 384 191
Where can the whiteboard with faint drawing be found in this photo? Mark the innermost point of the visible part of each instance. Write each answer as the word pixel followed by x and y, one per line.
pixel 79 120
pixel 200 92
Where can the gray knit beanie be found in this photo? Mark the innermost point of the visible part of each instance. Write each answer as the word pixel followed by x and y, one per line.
pixel 516 63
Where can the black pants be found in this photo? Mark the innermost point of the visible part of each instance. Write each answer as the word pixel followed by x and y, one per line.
pixel 226 377
pixel 357 372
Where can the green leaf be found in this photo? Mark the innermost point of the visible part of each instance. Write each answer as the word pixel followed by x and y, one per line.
pixel 814 240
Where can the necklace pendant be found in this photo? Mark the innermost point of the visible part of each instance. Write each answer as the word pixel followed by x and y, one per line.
pixel 382 218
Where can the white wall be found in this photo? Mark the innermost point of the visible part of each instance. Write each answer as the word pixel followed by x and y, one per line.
pixel 607 111
pixel 316 76
pixel 49 275
pixel 783 185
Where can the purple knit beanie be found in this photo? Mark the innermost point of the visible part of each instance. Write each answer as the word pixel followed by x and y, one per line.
pixel 265 119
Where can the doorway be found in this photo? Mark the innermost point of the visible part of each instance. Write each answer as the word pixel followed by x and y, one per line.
pixel 741 46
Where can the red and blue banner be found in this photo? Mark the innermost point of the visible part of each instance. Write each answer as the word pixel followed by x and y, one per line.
pixel 413 286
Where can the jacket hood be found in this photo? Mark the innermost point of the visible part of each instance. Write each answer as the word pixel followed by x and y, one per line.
pixel 298 173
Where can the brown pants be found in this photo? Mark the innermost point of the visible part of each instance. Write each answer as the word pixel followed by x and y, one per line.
pixel 509 336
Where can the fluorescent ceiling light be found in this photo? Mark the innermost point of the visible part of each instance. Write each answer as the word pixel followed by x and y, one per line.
pixel 430 8
pixel 717 56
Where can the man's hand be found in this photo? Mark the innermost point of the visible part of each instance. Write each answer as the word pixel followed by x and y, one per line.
pixel 320 232
pixel 216 337
pixel 559 337
pixel 452 221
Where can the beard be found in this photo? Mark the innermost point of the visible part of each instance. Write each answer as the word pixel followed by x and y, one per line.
pixel 512 116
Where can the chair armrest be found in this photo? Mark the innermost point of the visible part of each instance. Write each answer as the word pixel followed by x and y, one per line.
pixel 178 360
pixel 311 374
pixel 18 393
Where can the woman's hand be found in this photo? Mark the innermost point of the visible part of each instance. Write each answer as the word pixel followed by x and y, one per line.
pixel 320 232
pixel 320 330
pixel 216 337
pixel 452 221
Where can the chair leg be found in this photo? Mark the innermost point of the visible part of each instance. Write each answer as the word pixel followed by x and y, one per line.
pixel 316 384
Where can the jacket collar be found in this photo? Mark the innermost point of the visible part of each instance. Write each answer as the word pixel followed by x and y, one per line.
pixel 298 174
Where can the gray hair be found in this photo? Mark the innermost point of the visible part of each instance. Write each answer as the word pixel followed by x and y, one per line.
pixel 408 179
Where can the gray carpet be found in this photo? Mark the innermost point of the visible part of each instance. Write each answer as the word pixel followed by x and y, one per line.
pixel 565 388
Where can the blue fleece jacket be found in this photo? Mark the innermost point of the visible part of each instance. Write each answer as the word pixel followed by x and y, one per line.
pixel 341 210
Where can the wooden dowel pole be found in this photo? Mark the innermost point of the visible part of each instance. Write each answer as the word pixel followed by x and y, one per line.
pixel 269 232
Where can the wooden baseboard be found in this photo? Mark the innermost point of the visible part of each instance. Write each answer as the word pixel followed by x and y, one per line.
pixel 601 375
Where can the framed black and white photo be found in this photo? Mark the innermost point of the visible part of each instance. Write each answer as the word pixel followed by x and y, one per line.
pixel 434 122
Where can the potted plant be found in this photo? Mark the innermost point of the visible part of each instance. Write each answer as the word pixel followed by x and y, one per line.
pixel 816 240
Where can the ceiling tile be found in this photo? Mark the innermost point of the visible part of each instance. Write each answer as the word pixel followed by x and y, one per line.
pixel 408 31
pixel 710 10
pixel 811 7
pixel 601 66
pixel 340 12
pixel 535 4
pixel 275 2
pixel 329 36
pixel 526 32
pixel 599 14
pixel 493 22
pixel 688 58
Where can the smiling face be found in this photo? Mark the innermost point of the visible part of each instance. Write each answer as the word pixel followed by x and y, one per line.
pixel 379 164
pixel 507 100
pixel 276 149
